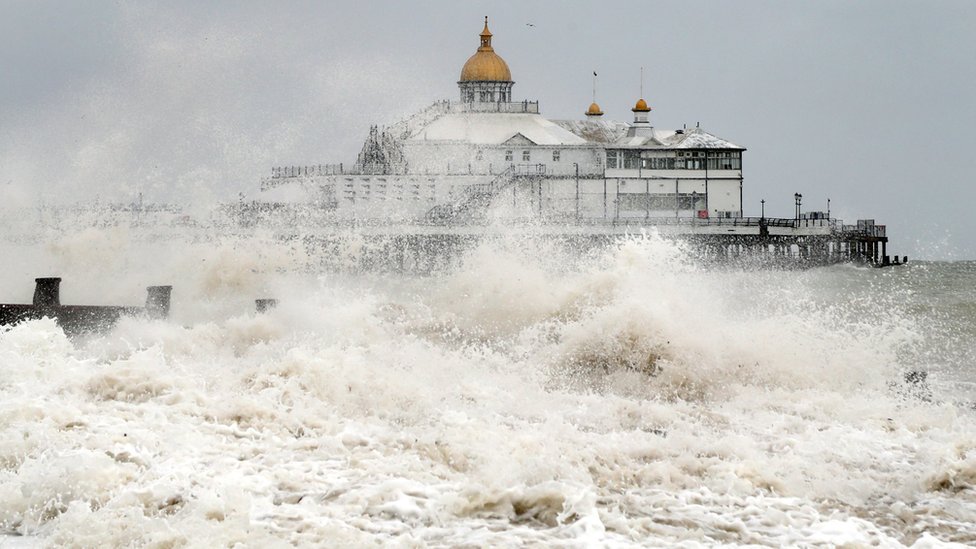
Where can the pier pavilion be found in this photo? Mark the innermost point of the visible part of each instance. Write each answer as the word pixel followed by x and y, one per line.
pixel 457 167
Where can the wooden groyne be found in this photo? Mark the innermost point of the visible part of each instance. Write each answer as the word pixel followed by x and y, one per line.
pixel 79 319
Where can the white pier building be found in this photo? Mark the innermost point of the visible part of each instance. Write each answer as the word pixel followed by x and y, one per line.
pixel 457 167
pixel 448 162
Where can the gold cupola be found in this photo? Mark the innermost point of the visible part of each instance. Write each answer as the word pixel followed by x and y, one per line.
pixel 641 112
pixel 485 77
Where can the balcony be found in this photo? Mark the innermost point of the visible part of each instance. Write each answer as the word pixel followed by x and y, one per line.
pixel 521 107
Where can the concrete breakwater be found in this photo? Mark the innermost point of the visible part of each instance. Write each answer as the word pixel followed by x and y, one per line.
pixel 78 319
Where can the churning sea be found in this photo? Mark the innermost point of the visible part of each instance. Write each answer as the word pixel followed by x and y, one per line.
pixel 523 398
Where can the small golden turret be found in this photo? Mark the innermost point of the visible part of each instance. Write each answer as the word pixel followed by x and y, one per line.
pixel 594 109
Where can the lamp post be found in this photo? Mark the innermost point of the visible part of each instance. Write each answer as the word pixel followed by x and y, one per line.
pixel 576 165
pixel 763 210
pixel 798 198
pixel 828 209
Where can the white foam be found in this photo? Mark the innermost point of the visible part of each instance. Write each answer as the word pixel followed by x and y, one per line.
pixel 632 399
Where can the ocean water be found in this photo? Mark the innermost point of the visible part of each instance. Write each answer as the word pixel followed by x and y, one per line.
pixel 522 398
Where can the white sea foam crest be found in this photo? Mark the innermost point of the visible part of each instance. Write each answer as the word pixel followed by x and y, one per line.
pixel 645 316
pixel 528 396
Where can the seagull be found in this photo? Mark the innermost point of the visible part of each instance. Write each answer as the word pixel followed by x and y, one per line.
pixel 529 25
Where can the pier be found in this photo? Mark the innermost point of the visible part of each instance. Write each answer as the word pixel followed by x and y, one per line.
pixel 757 242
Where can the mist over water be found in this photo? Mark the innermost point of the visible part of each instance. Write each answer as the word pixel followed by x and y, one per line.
pixel 525 395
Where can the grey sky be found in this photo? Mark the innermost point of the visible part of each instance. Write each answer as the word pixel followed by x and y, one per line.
pixel 868 103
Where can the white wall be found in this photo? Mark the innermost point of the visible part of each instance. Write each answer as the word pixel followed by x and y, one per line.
pixel 440 157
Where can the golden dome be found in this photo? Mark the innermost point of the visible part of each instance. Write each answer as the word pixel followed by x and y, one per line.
pixel 594 110
pixel 641 106
pixel 485 64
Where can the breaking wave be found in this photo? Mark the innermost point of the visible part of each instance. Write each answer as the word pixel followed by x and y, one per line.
pixel 534 394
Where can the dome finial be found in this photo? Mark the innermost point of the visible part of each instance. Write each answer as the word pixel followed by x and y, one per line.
pixel 485 38
pixel 594 109
pixel 594 86
pixel 641 106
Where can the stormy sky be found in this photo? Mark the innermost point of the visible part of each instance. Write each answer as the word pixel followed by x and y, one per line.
pixel 871 104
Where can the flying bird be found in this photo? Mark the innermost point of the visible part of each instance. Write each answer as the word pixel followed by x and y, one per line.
pixel 529 25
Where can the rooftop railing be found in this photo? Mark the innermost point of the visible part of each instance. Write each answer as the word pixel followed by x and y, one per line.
pixel 530 107
pixel 284 172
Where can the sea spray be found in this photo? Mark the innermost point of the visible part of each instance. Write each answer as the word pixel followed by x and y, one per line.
pixel 631 396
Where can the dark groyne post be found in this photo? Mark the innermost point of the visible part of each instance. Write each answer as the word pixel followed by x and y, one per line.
pixel 265 305
pixel 157 301
pixel 47 292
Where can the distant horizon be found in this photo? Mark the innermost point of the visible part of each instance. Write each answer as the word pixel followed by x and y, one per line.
pixel 864 104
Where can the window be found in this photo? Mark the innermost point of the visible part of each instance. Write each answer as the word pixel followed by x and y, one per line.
pixel 508 156
pixel 611 159
pixel 725 160
pixel 525 156
pixel 631 160
pixel 691 201
pixel 657 163
pixel 555 156
pixel 660 201
pixel 644 201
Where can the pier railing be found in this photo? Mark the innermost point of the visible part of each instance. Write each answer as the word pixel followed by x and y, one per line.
pixel 283 172
pixel 861 229
pixel 529 107
pixel 529 170
pixel 783 222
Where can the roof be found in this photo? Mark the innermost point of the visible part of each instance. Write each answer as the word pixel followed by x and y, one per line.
pixel 594 131
pixel 693 138
pixel 495 129
pixel 609 132
pixel 485 66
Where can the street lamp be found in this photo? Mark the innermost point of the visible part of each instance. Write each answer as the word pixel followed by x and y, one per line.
pixel 576 165
pixel 763 203
pixel 828 209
